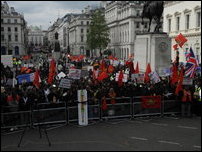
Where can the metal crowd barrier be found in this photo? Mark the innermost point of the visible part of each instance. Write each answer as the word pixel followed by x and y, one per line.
pixel 46 113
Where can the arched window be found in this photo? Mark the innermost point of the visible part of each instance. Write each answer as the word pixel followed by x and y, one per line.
pixel 3 50
pixel 17 50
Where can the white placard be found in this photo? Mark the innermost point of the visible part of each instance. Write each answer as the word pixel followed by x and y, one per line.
pixel 65 83
pixel 138 77
pixel 7 60
pixel 154 77
pixel 83 114
pixel 187 81
pixel 82 95
pixel 61 75
pixel 90 67
pixel 74 73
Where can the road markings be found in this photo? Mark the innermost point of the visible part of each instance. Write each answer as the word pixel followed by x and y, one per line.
pixel 168 142
pixel 187 127
pixel 197 146
pixel 159 124
pixel 138 138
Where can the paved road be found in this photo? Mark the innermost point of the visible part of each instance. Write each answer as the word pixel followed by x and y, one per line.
pixel 152 134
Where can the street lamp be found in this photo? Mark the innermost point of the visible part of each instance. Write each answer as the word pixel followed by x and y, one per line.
pixel 68 48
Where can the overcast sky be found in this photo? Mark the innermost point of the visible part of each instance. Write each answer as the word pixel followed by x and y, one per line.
pixel 43 12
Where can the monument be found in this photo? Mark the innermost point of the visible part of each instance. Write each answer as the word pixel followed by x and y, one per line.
pixel 56 53
pixel 153 47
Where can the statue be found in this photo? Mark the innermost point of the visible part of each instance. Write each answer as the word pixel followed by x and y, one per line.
pixel 153 10
pixel 57 44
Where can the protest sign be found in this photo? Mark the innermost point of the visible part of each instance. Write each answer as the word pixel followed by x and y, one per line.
pixel 90 67
pixel 65 83
pixel 125 77
pixel 25 78
pixel 7 60
pixel 74 73
pixel 115 63
pixel 139 78
pixel 187 81
pixel 61 75
pixel 82 95
pixel 154 77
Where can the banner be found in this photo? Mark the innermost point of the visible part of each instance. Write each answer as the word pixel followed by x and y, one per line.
pixel 139 78
pixel 7 60
pixel 74 73
pixel 25 78
pixel 154 77
pixel 61 75
pixel 187 81
pixel 65 83
pixel 151 101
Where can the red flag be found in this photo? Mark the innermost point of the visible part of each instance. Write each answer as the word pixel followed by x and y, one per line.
pixel 112 57
pixel 36 81
pixel 180 39
pixel 103 66
pixel 110 69
pixel 26 57
pixel 148 70
pixel 174 77
pixel 52 69
pixel 180 81
pixel 104 103
pixel 151 101
pixel 102 76
pixel 120 79
pixel 137 69
pixel 175 47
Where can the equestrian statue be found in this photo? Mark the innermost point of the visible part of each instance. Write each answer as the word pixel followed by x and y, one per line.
pixel 153 10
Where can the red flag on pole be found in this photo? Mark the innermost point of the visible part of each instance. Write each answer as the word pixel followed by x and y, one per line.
pixel 175 47
pixel 180 39
pixel 102 76
pixel 36 81
pixel 52 71
pixel 137 69
pixel 151 101
pixel 104 103
pixel 180 81
pixel 148 70
pixel 174 77
pixel 110 69
pixel 120 79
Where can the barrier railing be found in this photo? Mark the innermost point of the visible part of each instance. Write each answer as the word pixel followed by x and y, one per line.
pixel 46 113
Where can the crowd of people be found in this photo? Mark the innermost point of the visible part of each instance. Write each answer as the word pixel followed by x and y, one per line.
pixel 21 96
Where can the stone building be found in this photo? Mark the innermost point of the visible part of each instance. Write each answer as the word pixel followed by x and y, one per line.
pixel 14 33
pixel 184 17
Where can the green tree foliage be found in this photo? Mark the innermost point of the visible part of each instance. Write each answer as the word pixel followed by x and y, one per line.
pixel 98 35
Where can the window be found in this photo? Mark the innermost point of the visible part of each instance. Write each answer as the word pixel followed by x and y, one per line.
pixel 9 29
pixel 81 38
pixel 169 25
pixel 177 23
pixel 138 12
pixel 9 20
pixel 16 38
pixel 2 28
pixel 16 21
pixel 187 22
pixel 145 25
pixel 137 25
pixel 2 37
pixel 81 30
pixel 198 24
pixel 16 29
pixel 2 20
pixel 87 22
pixel 81 22
pixel 87 30
pixel 9 37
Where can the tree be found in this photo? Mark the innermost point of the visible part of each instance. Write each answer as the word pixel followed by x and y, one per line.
pixel 98 35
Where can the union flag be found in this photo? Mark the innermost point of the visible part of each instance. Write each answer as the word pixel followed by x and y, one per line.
pixel 151 102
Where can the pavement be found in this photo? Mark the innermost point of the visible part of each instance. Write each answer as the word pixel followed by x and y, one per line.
pixel 140 134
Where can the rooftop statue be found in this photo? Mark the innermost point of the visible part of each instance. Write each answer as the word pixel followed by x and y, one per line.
pixel 153 10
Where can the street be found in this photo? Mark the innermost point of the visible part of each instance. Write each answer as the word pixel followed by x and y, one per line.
pixel 149 134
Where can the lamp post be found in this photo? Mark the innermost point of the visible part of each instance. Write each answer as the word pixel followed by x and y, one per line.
pixel 68 48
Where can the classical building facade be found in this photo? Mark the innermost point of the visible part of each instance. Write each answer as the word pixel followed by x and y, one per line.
pixel 184 17
pixel 14 33
pixel 124 21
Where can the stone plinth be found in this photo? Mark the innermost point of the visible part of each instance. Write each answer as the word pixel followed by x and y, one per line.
pixel 153 48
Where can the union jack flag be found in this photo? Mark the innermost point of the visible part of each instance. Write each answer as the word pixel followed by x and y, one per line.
pixel 191 65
